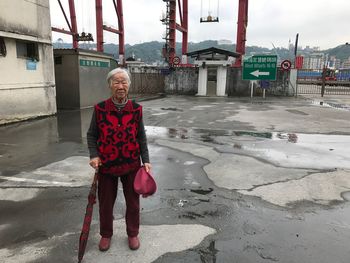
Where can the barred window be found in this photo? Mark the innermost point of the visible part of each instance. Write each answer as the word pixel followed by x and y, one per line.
pixel 26 49
pixel 2 47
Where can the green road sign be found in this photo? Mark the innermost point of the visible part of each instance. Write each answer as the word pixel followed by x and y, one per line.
pixel 260 67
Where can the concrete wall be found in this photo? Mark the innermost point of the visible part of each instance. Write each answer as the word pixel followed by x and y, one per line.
pixel 235 86
pixel 81 78
pixel 67 81
pixel 26 18
pixel 93 86
pixel 27 87
pixel 182 81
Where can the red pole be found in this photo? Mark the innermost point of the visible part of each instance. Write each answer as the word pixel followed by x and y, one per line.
pixel 99 26
pixel 185 26
pixel 121 33
pixel 241 30
pixel 172 31
pixel 73 20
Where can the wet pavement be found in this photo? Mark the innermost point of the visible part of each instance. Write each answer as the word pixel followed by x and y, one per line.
pixel 239 180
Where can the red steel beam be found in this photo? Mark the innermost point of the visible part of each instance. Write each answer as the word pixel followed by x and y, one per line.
pixel 121 31
pixel 182 27
pixel 111 29
pixel 64 14
pixel 241 30
pixel 73 31
pixel 73 20
pixel 180 10
pixel 185 27
pixel 172 31
pixel 99 26
pixel 61 30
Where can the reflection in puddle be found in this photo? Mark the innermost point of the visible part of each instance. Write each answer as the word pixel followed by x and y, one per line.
pixel 209 135
pixel 331 105
pixel 290 137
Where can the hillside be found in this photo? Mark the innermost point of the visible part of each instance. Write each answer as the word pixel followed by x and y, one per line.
pixel 151 52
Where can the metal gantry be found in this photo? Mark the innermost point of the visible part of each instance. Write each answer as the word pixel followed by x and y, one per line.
pixel 169 20
pixel 76 37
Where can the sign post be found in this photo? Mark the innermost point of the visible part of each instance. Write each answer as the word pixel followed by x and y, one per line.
pixel 259 67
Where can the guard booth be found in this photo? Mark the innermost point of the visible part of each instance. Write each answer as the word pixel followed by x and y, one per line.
pixel 213 64
pixel 81 77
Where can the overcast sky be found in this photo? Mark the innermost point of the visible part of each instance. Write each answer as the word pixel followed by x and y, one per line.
pixel 322 23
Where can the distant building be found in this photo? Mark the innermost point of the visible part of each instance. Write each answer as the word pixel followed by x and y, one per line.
pixel 334 62
pixel 27 83
pixel 314 61
pixel 346 63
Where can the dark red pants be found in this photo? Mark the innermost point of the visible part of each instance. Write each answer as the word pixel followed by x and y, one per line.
pixel 107 194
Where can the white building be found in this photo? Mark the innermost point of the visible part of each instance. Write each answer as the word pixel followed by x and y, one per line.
pixel 314 61
pixel 27 83
pixel 213 64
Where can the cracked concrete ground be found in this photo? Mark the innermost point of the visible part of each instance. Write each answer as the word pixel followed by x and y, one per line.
pixel 239 180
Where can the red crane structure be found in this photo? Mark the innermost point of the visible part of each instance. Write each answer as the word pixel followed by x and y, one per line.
pixel 169 50
pixel 241 30
pixel 118 6
pixel 72 25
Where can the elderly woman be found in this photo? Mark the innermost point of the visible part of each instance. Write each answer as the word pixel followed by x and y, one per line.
pixel 117 145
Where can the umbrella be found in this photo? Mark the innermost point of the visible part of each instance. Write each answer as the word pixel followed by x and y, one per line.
pixel 87 219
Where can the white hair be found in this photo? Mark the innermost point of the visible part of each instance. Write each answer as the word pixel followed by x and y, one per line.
pixel 118 70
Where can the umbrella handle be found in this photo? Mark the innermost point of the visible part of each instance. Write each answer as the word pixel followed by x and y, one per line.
pixel 94 182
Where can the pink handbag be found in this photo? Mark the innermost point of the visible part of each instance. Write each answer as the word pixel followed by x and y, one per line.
pixel 144 183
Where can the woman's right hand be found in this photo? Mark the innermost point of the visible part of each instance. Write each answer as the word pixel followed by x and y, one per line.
pixel 95 162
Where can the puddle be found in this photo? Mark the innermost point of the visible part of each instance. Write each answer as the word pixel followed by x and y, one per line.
pixel 204 135
pixel 208 135
pixel 331 105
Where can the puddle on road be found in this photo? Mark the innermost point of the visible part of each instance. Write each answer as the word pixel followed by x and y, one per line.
pixel 204 135
pixel 298 150
pixel 330 104
pixel 208 135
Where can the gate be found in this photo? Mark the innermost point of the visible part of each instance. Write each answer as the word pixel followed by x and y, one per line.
pixel 324 82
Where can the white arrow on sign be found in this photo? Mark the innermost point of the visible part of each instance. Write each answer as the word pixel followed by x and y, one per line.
pixel 258 73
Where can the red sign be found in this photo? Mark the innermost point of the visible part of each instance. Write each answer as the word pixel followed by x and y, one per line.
pixel 176 60
pixel 286 64
pixel 299 60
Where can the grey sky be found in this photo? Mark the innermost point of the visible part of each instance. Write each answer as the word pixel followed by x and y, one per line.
pixel 322 23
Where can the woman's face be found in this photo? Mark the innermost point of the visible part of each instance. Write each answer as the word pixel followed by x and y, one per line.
pixel 119 86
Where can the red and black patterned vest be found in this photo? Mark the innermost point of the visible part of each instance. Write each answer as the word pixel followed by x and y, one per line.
pixel 117 143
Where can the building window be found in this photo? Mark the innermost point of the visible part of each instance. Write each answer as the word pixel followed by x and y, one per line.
pixel 2 47
pixel 58 60
pixel 27 50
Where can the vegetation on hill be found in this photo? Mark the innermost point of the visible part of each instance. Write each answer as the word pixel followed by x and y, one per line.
pixel 151 52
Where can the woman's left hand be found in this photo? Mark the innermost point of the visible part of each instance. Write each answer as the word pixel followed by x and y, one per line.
pixel 148 167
